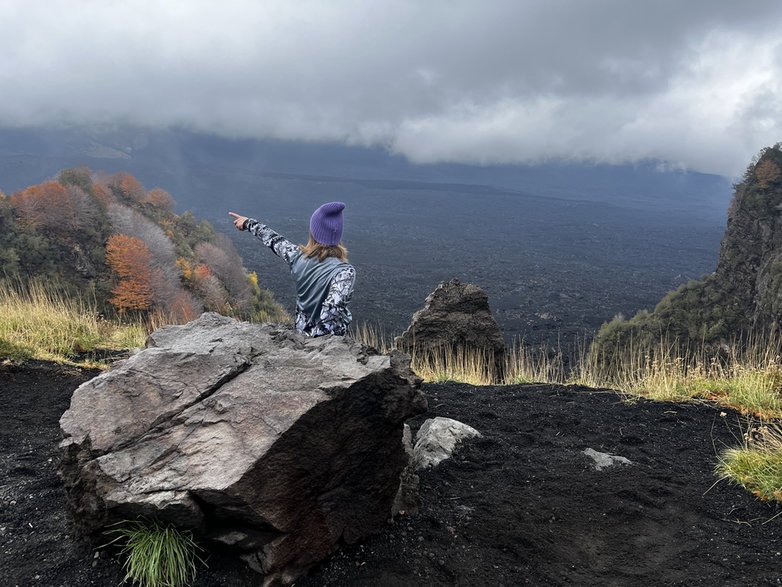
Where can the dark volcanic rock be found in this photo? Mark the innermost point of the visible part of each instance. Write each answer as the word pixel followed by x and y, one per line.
pixel 455 315
pixel 278 445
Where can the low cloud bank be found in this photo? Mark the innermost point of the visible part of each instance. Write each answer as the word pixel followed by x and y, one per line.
pixel 692 84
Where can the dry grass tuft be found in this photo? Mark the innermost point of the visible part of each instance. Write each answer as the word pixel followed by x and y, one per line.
pixel 37 322
pixel 745 375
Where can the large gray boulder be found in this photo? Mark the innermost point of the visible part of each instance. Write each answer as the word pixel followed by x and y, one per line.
pixel 279 445
pixel 456 316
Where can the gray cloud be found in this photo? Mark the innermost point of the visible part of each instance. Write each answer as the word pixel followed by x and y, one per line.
pixel 690 83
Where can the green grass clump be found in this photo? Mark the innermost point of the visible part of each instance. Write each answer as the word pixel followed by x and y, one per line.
pixel 156 554
pixel 756 466
pixel 752 391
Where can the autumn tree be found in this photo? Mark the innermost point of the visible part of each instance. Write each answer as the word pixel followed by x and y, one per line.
pixel 209 289
pixel 124 185
pixel 130 259
pixel 48 205
pixel 54 206
pixel 103 194
pixel 166 282
pixel 159 198
pixel 83 206
pixel 125 220
pixel 184 308
pixel 78 176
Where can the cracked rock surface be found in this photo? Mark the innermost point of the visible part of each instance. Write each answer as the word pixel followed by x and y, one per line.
pixel 280 446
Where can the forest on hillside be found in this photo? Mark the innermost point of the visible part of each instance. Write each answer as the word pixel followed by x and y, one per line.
pixel 107 238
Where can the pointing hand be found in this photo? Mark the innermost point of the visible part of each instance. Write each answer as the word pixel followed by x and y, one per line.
pixel 238 220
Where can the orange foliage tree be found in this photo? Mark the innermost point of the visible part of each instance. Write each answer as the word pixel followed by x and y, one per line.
pixel 48 205
pixel 103 195
pixel 130 259
pixel 160 198
pixel 124 184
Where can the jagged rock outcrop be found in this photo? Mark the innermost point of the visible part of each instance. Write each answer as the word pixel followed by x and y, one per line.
pixel 744 294
pixel 749 270
pixel 279 445
pixel 454 316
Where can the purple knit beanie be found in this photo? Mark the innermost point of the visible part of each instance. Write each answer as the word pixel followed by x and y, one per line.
pixel 326 223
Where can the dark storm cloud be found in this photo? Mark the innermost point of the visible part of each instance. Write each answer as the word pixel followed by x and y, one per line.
pixel 692 83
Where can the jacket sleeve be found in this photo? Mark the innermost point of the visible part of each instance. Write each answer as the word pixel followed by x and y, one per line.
pixel 281 246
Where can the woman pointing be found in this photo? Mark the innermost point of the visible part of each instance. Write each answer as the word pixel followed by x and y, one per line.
pixel 324 278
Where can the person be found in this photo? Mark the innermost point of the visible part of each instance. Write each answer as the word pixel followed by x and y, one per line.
pixel 324 278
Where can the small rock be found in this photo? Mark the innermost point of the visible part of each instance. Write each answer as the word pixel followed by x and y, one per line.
pixel 437 439
pixel 604 460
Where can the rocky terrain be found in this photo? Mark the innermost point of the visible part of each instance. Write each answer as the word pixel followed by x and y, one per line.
pixel 744 294
pixel 455 316
pixel 554 269
pixel 523 504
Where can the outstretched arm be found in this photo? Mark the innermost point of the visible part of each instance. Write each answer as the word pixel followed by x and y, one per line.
pixel 276 242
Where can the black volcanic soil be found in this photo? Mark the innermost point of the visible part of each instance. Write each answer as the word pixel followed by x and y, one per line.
pixel 522 505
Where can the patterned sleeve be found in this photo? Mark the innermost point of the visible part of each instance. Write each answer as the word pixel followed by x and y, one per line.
pixel 276 242
pixel 334 314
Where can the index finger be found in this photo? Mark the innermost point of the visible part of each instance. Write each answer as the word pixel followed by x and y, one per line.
pixel 234 214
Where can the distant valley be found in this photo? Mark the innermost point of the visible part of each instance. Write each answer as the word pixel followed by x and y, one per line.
pixel 559 248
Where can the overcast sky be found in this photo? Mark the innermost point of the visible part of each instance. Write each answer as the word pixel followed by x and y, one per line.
pixel 694 83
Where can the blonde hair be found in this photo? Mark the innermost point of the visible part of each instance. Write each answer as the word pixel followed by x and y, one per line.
pixel 314 248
